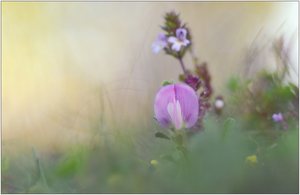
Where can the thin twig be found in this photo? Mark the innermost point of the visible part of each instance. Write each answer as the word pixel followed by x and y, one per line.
pixel 40 170
pixel 182 66
pixel 194 58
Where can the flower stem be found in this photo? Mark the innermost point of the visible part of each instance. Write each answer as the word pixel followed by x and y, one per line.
pixel 195 59
pixel 182 66
pixel 39 168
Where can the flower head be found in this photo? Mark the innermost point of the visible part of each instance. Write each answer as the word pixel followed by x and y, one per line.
pixel 159 43
pixel 176 105
pixel 180 39
pixel 219 103
pixel 277 117
pixel 251 160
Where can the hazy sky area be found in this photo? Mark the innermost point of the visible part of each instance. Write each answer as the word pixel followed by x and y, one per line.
pixel 68 65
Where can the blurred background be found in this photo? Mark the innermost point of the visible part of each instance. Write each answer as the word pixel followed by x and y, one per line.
pixel 69 65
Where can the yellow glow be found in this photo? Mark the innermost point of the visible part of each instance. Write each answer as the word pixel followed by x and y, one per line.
pixel 65 65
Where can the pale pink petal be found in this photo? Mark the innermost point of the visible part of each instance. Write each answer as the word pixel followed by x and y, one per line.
pixel 170 109
pixel 189 104
pixel 164 96
pixel 179 119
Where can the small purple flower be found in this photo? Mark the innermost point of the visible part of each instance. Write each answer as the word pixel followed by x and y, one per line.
pixel 176 105
pixel 180 39
pixel 160 43
pixel 277 117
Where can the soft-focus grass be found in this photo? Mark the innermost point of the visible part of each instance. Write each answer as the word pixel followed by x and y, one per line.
pixel 240 151
pixel 127 161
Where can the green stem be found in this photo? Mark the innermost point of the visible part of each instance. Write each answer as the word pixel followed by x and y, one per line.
pixel 182 66
pixel 40 170
pixel 180 142
pixel 195 59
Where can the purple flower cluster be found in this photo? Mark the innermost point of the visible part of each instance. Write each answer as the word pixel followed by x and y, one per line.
pixel 174 42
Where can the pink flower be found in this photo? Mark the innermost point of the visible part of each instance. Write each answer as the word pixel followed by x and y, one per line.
pixel 176 105
pixel 180 39
pixel 277 117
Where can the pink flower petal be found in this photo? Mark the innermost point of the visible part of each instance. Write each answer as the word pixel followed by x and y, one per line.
pixel 189 104
pixel 164 96
pixel 176 105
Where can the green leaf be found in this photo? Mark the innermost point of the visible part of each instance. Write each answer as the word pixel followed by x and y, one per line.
pixel 229 123
pixel 233 84
pixel 73 164
pixel 181 77
pixel 161 135
pixel 68 168
pixel 164 83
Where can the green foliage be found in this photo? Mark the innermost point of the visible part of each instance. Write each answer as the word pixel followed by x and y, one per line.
pixel 258 99
pixel 215 157
pixel 240 151
pixel 233 84
pixel 72 163
pixel 38 187
pixel 164 83
pixel 161 135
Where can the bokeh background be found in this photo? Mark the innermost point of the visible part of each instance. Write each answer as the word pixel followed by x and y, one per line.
pixel 69 65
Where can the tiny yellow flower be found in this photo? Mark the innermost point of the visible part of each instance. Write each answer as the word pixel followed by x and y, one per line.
pixel 154 162
pixel 252 160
